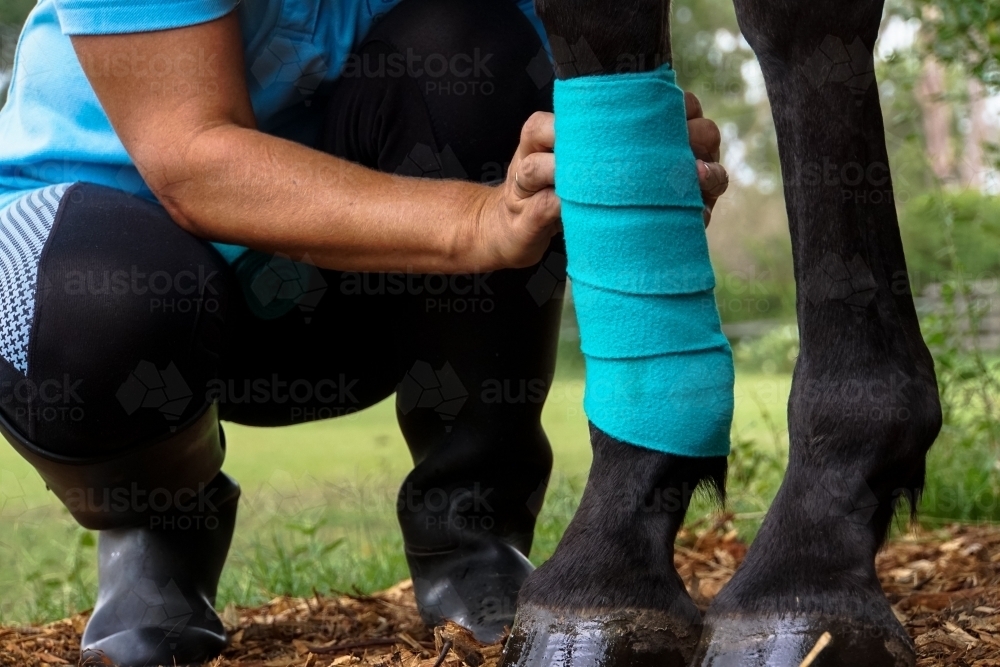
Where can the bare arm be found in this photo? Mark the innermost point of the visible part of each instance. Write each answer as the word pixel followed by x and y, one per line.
pixel 192 135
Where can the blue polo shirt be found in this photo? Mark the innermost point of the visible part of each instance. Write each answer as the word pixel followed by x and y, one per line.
pixel 53 129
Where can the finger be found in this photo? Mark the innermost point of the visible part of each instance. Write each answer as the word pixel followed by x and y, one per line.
pixel 713 179
pixel 547 211
pixel 705 139
pixel 538 223
pixel 534 173
pixel 692 106
pixel 538 134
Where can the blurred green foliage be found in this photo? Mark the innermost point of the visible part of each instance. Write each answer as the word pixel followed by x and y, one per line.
pixel 964 482
pixel 964 33
pixel 13 12
pixel 711 57
pixel 763 291
pixel 774 352
pixel 974 230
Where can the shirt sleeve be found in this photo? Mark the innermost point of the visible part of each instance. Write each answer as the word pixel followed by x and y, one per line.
pixel 109 17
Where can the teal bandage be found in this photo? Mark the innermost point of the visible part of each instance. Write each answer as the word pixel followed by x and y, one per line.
pixel 659 369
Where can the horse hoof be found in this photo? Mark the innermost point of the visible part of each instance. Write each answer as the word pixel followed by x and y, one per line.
pixel 787 641
pixel 646 638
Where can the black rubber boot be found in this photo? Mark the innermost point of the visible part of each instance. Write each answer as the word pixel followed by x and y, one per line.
pixel 610 596
pixel 165 514
pixel 467 512
pixel 155 604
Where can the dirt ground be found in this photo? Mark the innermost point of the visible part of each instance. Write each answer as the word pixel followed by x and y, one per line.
pixel 944 586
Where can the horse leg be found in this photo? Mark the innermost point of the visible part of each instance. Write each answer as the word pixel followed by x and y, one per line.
pixel 610 594
pixel 864 406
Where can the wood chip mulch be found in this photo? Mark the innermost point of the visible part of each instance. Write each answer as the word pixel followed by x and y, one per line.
pixel 944 586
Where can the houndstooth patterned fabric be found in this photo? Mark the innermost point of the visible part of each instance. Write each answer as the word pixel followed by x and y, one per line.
pixel 24 228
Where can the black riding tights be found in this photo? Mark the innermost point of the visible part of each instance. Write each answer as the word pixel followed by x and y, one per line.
pixel 138 325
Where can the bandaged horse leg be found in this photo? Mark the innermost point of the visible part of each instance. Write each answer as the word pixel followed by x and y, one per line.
pixel 659 371
pixel 864 405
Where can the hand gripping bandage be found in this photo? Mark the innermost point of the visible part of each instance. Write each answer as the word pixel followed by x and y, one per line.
pixel 659 369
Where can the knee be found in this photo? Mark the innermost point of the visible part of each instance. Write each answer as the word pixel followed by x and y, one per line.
pixel 455 41
pixel 126 333
pixel 481 72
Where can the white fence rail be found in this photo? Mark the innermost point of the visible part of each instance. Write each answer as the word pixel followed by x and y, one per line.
pixel 985 300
